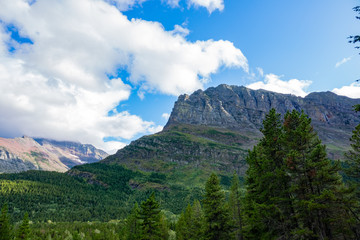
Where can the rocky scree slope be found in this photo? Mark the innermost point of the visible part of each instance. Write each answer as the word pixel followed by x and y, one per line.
pixel 25 153
pixel 212 130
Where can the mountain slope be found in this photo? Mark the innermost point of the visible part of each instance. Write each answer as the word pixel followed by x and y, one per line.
pixel 211 130
pixel 25 153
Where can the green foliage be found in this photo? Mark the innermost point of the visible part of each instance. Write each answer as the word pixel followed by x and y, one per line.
pixel 293 190
pixel 151 219
pixel 190 225
pixel 5 227
pixel 217 217
pixel 357 108
pixel 24 228
pixel 133 231
pixel 355 39
pixel 235 208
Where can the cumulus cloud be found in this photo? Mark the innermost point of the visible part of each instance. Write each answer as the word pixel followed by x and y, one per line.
pixel 345 60
pixel 211 5
pixel 351 91
pixel 58 87
pixel 273 83
pixel 165 116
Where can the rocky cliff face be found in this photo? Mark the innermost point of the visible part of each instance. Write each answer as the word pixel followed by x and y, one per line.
pixel 22 154
pixel 211 130
pixel 242 110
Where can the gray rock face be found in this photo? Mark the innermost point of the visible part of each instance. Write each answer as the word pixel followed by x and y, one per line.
pixel 237 108
pixel 11 163
pixel 242 109
pixel 213 129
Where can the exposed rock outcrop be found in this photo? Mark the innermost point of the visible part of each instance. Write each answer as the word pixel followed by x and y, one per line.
pixel 212 129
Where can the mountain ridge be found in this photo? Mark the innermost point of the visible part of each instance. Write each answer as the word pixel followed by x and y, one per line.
pixel 26 153
pixel 195 132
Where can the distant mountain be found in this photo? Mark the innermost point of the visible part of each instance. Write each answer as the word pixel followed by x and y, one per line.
pixel 212 130
pixel 25 153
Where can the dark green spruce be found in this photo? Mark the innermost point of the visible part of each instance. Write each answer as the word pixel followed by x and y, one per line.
pixel 217 215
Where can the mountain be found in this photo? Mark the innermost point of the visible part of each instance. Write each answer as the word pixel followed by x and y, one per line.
pixel 207 131
pixel 212 130
pixel 25 153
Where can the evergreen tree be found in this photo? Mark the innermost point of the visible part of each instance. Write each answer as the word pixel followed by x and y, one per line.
pixel 353 174
pixel 190 223
pixel 217 217
pixel 151 219
pixel 24 228
pixel 293 190
pixel 183 225
pixel 318 195
pixel 5 227
pixel 197 220
pixel 133 231
pixel 235 207
pixel 267 206
pixel 164 228
pixel 353 158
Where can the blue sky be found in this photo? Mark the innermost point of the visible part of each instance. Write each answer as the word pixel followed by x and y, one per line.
pixel 95 70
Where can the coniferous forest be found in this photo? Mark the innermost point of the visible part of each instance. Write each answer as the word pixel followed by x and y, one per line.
pixel 291 191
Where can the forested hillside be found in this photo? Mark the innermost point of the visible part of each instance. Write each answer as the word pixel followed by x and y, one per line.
pixel 292 190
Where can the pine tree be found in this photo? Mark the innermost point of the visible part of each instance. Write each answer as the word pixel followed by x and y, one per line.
pixel 183 225
pixel 318 195
pixel 133 231
pixel 217 217
pixel 235 207
pixel 5 227
pixel 151 219
pixel 293 190
pixel 24 228
pixel 267 204
pixel 190 223
pixel 353 174
pixel 353 159
pixel 197 220
pixel 164 228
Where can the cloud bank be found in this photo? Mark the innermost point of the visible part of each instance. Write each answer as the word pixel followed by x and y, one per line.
pixel 273 83
pixel 352 91
pixel 58 85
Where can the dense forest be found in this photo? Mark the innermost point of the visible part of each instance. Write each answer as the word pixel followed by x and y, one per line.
pixel 291 191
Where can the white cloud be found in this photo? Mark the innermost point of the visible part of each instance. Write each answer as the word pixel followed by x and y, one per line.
pixel 211 5
pixel 165 116
pixel 351 91
pixel 273 83
pixel 58 86
pixel 345 60
pixel 124 5
pixel 172 3
pixel 179 30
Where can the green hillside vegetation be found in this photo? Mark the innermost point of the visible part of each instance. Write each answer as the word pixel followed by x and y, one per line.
pixel 291 191
pixel 187 154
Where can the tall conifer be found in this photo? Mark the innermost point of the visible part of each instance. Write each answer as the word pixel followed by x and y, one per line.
pixel 235 208
pixel 151 219
pixel 217 217
pixel 318 195
pixel 5 227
